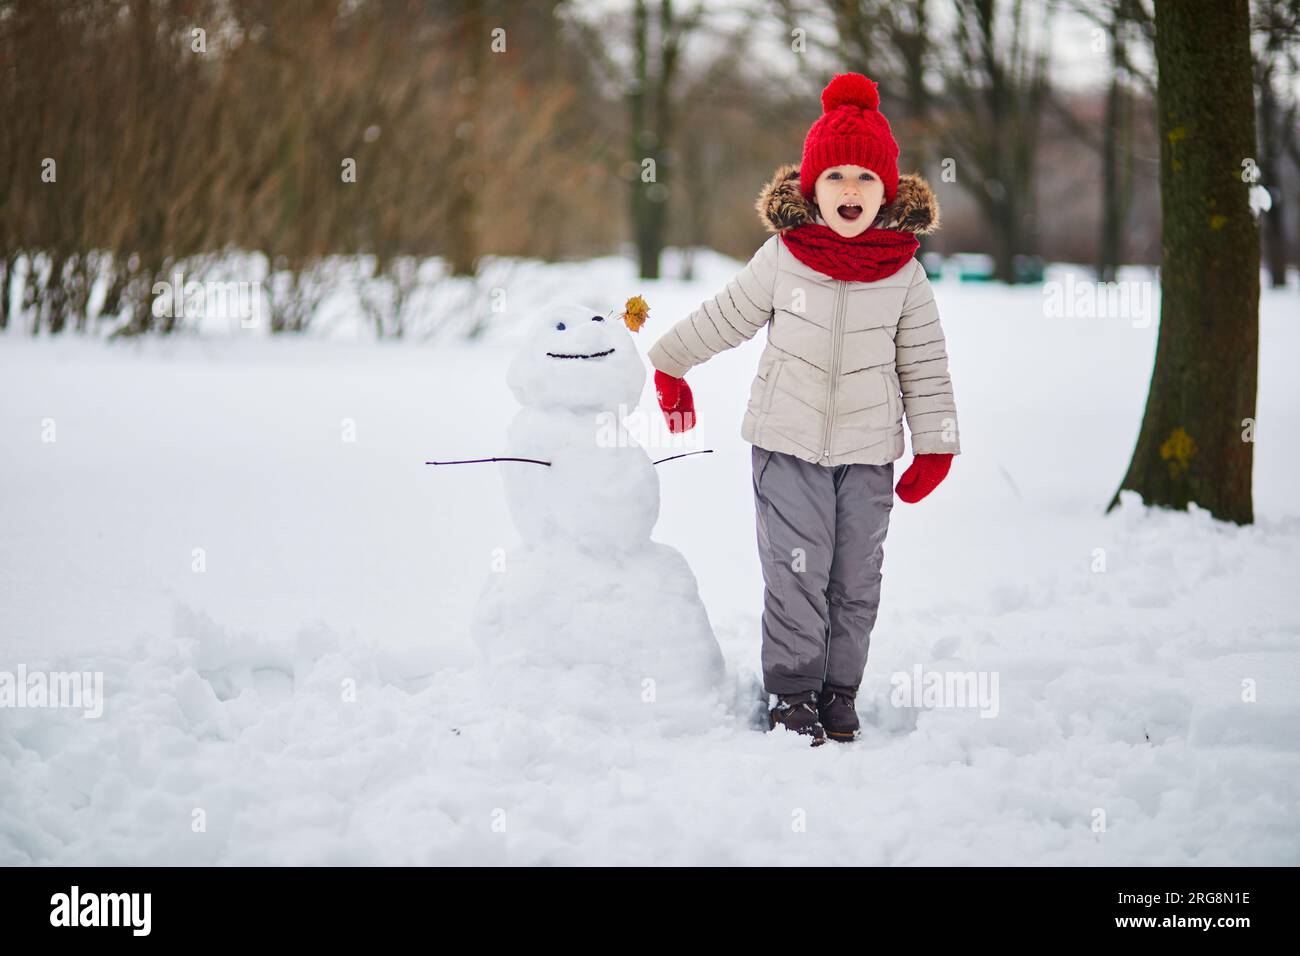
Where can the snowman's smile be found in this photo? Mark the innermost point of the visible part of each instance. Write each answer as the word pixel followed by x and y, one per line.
pixel 590 355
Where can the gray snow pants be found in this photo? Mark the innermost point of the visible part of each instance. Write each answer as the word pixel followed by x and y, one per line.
pixel 821 536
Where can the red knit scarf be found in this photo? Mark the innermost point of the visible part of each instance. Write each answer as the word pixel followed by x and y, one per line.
pixel 872 255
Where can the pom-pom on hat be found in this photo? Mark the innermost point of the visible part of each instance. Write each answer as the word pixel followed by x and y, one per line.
pixel 851 129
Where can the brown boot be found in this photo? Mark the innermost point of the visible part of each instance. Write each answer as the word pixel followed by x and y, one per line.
pixel 798 712
pixel 838 715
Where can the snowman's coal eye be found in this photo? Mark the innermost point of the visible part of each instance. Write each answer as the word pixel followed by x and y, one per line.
pixel 559 326
pixel 598 318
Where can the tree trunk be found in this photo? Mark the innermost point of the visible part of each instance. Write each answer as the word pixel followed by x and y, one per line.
pixel 56 295
pixel 915 49
pixel 653 127
pixel 463 233
pixel 1270 162
pixel 6 287
pixel 1006 240
pixel 1192 446
pixel 1110 248
pixel 643 144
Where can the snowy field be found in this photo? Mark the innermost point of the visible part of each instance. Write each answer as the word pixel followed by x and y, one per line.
pixel 1120 734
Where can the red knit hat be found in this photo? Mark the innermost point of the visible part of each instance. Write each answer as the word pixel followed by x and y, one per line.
pixel 851 129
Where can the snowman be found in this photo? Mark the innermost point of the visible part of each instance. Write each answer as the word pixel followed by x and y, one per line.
pixel 589 602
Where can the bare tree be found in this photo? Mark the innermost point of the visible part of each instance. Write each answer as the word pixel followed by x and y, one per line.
pixel 1121 19
pixel 996 79
pixel 1276 26
pixel 652 106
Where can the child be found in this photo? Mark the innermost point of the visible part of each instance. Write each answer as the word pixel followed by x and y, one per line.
pixel 854 344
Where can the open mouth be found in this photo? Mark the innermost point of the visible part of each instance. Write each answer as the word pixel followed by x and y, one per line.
pixel 591 355
pixel 849 211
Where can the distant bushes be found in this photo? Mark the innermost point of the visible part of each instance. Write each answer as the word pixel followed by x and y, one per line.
pixel 143 136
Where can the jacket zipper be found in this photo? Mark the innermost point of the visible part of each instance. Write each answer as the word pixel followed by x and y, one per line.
pixel 836 316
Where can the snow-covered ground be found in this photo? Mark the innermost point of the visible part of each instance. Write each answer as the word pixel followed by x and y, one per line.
pixel 311 694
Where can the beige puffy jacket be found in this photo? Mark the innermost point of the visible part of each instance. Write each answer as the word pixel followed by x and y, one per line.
pixel 866 352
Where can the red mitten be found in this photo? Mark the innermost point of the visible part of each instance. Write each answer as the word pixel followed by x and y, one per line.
pixel 676 401
pixel 923 476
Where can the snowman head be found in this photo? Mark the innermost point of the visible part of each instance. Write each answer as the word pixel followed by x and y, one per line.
pixel 577 357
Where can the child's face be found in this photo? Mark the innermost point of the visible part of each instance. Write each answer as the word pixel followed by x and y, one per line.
pixel 848 197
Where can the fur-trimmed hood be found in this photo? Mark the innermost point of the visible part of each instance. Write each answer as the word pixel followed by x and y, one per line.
pixel 782 206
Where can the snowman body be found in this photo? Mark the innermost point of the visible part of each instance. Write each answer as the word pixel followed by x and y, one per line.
pixel 600 493
pixel 588 594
